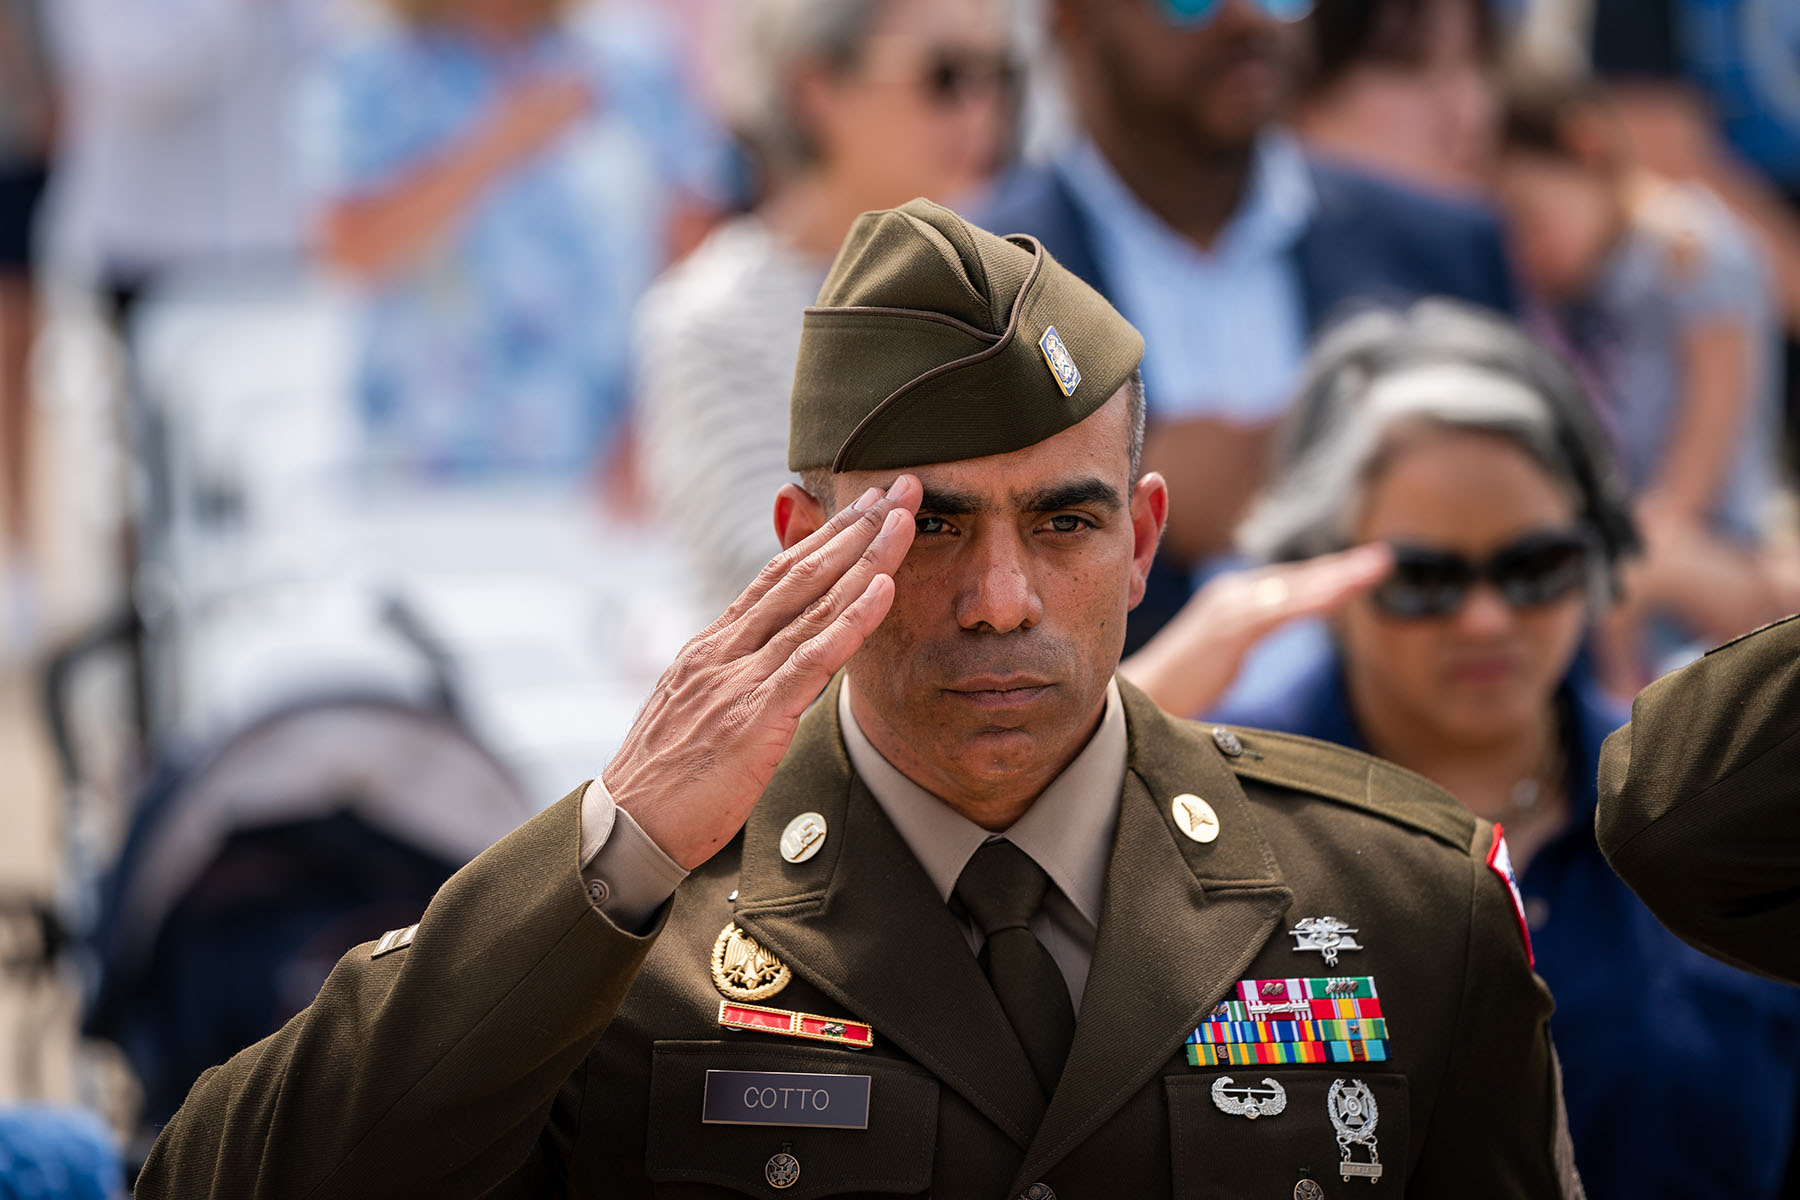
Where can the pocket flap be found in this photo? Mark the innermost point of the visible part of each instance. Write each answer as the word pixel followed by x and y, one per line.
pixel 1220 1154
pixel 894 1154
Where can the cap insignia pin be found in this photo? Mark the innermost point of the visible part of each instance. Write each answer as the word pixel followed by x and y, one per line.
pixel 1327 935
pixel 743 970
pixel 1062 363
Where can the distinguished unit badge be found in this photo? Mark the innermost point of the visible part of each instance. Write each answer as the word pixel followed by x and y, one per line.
pixel 1062 364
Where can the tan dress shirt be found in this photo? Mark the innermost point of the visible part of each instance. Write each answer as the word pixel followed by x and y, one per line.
pixel 1068 831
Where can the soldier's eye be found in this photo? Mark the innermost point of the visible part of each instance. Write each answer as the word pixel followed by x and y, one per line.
pixel 930 525
pixel 1066 523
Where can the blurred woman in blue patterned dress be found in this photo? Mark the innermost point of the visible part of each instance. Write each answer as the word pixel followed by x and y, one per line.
pixel 498 177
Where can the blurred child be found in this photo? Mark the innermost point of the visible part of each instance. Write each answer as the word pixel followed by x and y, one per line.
pixel 1660 295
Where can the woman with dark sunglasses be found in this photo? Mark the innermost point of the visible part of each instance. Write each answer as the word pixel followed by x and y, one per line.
pixel 1468 456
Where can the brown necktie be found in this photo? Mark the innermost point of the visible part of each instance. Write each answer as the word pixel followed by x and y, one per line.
pixel 1000 889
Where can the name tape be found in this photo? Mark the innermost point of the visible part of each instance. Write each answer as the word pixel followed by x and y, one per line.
pixel 786 1098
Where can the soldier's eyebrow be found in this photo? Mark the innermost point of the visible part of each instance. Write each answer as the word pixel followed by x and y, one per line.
pixel 948 502
pixel 1077 493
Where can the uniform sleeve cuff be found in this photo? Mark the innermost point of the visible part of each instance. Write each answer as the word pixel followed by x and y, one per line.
pixel 628 876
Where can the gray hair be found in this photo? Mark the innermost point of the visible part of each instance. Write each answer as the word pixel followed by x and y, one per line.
pixel 818 480
pixel 1383 376
pixel 773 40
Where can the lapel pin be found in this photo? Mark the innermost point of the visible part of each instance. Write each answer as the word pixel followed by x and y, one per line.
pixel 1354 1115
pixel 1194 817
pixel 803 837
pixel 1248 1101
pixel 743 970
pixel 1227 741
pixel 1327 935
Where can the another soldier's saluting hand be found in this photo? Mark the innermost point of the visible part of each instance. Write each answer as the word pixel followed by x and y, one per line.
pixel 709 739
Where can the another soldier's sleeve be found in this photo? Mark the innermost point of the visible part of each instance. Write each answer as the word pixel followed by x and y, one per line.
pixel 424 1070
pixel 1700 801
pixel 1498 1127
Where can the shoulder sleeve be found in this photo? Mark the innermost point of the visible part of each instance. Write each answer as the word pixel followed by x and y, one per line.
pixel 1500 1117
pixel 1700 801
pixel 425 1064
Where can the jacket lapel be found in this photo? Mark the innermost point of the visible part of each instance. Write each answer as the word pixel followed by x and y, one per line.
pixel 1180 922
pixel 862 922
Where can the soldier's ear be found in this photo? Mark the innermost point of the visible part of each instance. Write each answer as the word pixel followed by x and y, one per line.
pixel 798 514
pixel 1149 516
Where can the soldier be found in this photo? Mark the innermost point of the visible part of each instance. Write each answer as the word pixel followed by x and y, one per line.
pixel 1698 806
pixel 786 947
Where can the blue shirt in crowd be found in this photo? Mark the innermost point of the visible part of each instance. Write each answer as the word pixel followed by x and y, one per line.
pixel 505 349
pixel 1681 1074
pixel 1224 329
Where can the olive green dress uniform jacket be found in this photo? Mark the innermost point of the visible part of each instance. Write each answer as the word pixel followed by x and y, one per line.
pixel 522 1045
pixel 1700 801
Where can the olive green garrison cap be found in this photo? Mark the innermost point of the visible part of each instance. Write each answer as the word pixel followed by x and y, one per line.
pixel 935 341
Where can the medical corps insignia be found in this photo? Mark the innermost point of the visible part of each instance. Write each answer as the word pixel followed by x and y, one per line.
pixel 1062 364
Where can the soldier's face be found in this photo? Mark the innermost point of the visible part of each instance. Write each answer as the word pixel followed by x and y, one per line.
pixel 990 671
pixel 1488 670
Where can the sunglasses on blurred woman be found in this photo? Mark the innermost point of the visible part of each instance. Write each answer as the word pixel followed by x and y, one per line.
pixel 950 78
pixel 1191 14
pixel 1535 571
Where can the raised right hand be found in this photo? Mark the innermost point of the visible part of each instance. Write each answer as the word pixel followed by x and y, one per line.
pixel 709 739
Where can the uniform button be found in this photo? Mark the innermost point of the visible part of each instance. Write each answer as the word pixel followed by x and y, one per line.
pixel 598 892
pixel 1037 1191
pixel 1227 741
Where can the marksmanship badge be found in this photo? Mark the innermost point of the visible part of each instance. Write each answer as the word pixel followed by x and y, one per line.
pixel 743 970
pixel 1062 364
pixel 1354 1115
pixel 1327 935
pixel 1247 1101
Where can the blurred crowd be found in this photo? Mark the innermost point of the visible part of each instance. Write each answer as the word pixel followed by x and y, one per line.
pixel 1470 360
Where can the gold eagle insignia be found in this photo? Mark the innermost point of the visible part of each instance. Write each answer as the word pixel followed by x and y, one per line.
pixel 743 970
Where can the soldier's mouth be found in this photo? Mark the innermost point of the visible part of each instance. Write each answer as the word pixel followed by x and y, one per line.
pixel 1015 692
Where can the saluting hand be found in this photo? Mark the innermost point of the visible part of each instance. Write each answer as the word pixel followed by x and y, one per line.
pixel 1192 662
pixel 721 717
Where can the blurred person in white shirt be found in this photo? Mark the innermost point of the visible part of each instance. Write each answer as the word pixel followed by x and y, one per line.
pixel 177 156
pixel 845 106
pixel 25 130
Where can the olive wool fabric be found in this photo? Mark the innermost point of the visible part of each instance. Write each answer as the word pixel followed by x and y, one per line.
pixel 1699 810
pixel 522 1045
pixel 933 342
